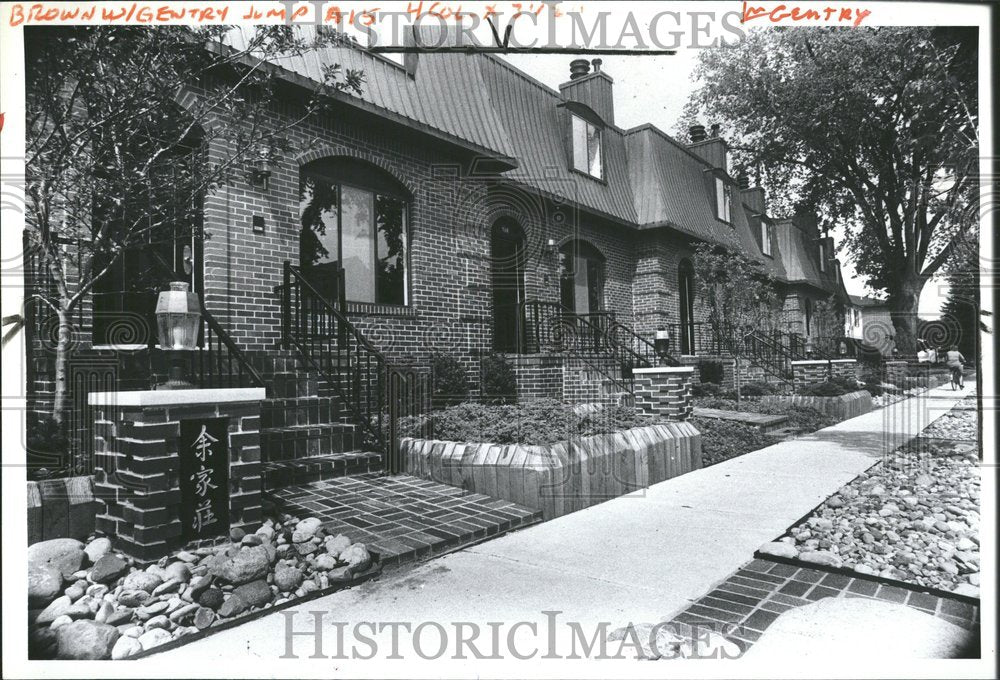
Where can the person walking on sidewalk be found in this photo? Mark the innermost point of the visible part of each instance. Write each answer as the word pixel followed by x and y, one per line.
pixel 954 360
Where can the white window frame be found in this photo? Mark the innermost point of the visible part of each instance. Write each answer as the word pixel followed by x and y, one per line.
pixel 587 154
pixel 765 238
pixel 723 200
pixel 822 256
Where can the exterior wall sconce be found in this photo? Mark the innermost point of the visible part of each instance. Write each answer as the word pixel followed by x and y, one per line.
pixel 550 247
pixel 810 348
pixel 178 320
pixel 262 166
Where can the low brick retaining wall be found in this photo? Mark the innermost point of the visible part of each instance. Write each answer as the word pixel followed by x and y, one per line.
pixel 843 407
pixel 563 477
pixel 61 508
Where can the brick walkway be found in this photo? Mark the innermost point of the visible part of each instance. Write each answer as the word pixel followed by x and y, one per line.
pixel 753 597
pixel 403 518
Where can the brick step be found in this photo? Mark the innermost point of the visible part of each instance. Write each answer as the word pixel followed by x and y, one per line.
pixel 290 411
pixel 301 441
pixel 298 384
pixel 282 474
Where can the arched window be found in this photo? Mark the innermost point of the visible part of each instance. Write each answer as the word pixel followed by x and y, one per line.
pixel 354 217
pixel 809 314
pixel 581 280
pixel 685 294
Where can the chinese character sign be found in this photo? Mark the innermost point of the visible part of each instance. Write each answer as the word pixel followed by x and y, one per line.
pixel 204 478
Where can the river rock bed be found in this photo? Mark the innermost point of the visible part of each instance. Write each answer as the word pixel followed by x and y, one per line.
pixel 913 517
pixel 956 424
pixel 88 601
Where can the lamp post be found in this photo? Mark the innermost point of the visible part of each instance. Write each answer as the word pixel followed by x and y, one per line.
pixel 178 319
pixel 661 344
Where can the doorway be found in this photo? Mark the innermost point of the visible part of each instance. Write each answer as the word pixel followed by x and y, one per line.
pixel 507 254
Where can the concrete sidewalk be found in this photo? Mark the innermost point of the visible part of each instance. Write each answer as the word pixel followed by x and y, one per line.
pixel 636 559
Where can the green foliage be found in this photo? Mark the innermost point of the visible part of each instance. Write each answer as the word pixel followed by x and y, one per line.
pixel 725 439
pixel 757 388
pixel 451 385
pixel 834 387
pixel 498 382
pixel 876 130
pixel 707 389
pixel 539 422
pixel 46 445
pixel 804 418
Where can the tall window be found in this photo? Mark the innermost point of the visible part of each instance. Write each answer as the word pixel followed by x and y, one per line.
pixel 723 200
pixel 587 147
pixel 822 256
pixel 765 238
pixel 361 229
pixel 581 278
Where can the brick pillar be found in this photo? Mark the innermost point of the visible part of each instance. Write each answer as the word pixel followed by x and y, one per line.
pixel 137 475
pixel 664 391
pixel 895 373
pixel 845 368
pixel 809 372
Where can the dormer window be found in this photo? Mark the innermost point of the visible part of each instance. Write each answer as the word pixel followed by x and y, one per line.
pixel 822 256
pixel 723 200
pixel 765 238
pixel 587 147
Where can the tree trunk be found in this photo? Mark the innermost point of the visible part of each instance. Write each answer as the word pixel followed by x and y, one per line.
pixel 62 361
pixel 903 304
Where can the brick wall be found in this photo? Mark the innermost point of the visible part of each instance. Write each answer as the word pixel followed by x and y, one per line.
pixel 136 479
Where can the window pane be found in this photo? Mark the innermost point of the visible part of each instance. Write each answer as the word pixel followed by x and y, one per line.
pixel 391 275
pixel 594 147
pixel 318 212
pixel 579 144
pixel 719 198
pixel 357 242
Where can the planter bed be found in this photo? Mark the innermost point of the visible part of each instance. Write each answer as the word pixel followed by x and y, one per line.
pixel 91 602
pixel 912 518
pixel 843 407
pixel 561 477
pixel 961 424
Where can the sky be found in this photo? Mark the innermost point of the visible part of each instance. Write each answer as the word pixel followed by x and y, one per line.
pixel 654 89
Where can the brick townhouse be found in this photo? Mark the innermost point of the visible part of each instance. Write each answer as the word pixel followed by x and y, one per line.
pixel 459 205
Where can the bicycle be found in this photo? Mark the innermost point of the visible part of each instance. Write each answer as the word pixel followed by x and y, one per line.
pixel 956 378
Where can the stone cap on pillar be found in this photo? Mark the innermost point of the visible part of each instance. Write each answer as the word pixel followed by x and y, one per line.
pixel 811 362
pixel 664 369
pixel 176 397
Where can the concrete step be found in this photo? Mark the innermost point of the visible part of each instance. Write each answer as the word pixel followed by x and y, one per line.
pixel 282 474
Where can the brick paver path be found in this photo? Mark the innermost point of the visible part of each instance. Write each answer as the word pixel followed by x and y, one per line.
pixel 402 517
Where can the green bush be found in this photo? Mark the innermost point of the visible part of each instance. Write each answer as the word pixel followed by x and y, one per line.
pixel 451 385
pixel 722 403
pixel 834 387
pixel 724 439
pixel 541 422
pixel 804 418
pixel 757 388
pixel 706 390
pixel 499 385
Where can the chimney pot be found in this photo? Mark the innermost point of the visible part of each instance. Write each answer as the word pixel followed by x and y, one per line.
pixel 696 133
pixel 715 129
pixel 578 68
pixel 597 65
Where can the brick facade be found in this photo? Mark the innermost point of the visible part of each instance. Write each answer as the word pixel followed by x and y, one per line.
pixel 664 392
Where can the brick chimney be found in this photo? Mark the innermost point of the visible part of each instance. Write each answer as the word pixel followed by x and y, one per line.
pixel 711 148
pixel 753 197
pixel 590 88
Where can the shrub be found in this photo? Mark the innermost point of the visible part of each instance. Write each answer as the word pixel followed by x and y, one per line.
pixel 710 372
pixel 716 402
pixel 706 390
pixel 451 385
pixel 541 422
pixel 757 388
pixel 804 418
pixel 834 387
pixel 723 439
pixel 499 385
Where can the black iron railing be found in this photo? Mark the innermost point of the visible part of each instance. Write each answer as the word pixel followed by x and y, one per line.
pixel 376 393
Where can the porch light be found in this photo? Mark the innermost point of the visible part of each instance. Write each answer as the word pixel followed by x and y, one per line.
pixel 261 167
pixel 550 246
pixel 178 320
pixel 810 348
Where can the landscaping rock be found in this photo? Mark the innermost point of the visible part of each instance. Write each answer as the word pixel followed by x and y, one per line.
pixel 334 546
pixel 233 606
pixel 357 557
pixel 778 549
pixel 125 647
pixel 142 580
pixel 255 593
pixel 64 554
pixel 108 569
pixel 203 618
pixel 178 571
pixel 133 598
pixel 58 607
pixel 97 548
pixel 44 585
pixel 290 578
pixel 246 565
pixel 211 598
pixel 309 525
pixel 154 638
pixel 86 640
pixel 827 559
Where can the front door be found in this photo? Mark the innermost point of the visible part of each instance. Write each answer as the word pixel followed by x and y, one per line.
pixel 507 281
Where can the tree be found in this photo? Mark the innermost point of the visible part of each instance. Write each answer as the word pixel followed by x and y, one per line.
pixel 962 319
pixel 740 294
pixel 828 325
pixel 875 129
pixel 129 128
